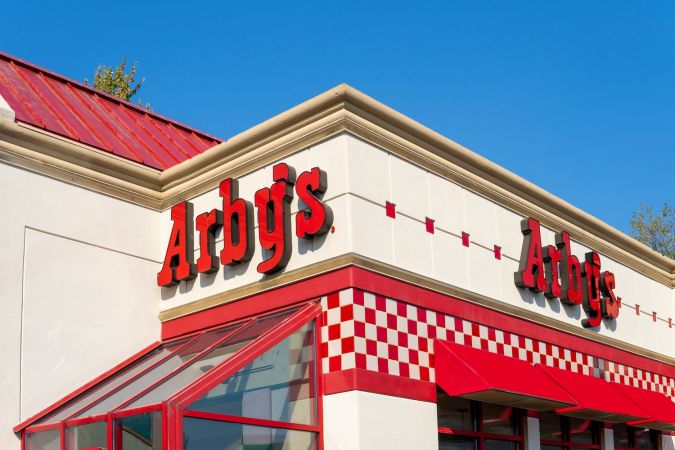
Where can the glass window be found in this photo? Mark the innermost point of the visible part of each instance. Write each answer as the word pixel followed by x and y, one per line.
pixel 499 419
pixel 470 425
pixel 112 383
pixel 627 438
pixel 645 438
pixel 494 444
pixel 264 402
pixel 44 440
pixel 621 435
pixel 449 442
pixel 174 361
pixel 454 412
pixel 201 434
pixel 550 427
pixel 563 433
pixel 583 430
pixel 139 432
pixel 91 435
pixel 209 360
pixel 275 386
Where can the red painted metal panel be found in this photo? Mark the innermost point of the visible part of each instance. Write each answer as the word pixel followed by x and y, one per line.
pixel 379 383
pixel 596 398
pixel 65 107
pixel 465 371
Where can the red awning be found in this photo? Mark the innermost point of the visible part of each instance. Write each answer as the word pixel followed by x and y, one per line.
pixel 660 409
pixel 596 399
pixel 463 371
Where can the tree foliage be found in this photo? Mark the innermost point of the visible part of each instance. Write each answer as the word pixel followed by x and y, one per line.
pixel 655 229
pixel 115 81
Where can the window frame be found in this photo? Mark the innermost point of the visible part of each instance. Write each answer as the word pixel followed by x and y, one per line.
pixel 174 408
pixel 480 436
pixel 566 443
pixel 632 439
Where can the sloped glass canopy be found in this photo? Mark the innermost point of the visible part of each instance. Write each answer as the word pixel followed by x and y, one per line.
pixel 251 385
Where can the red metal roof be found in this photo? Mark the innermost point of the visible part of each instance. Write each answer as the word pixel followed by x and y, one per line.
pixel 62 106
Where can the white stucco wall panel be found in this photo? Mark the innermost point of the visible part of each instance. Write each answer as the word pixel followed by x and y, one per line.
pixel 372 230
pixel 85 309
pixel 402 175
pixel 359 420
pixel 446 205
pixel 412 245
pixel 368 169
pixel 38 204
pixel 484 271
pixel 451 264
pixel 481 221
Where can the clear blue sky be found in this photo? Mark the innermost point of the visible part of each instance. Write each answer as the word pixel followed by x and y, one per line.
pixel 577 97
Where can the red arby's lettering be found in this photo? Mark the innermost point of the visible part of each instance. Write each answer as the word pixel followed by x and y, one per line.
pixel 238 244
pixel 274 218
pixel 178 261
pixel 531 273
pixel 315 220
pixel 236 224
pixel 207 225
pixel 555 271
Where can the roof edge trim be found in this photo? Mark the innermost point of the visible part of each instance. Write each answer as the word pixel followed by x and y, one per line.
pixel 341 109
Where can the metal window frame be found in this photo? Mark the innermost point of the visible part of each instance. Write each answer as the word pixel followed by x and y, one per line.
pixel 174 409
pixel 481 436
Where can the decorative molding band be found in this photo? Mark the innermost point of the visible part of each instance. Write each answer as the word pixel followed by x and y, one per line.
pixel 337 110
pixel 353 260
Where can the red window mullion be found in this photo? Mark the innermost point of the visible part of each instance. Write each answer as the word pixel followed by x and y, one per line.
pixel 250 421
pixel 63 435
pixel 138 410
pixel 43 427
pixel 112 442
pixel 318 377
pixel 86 420
pixel 178 428
pixel 182 367
pixel 569 444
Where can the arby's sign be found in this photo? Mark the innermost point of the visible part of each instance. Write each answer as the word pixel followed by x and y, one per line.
pixel 235 220
pixel 556 272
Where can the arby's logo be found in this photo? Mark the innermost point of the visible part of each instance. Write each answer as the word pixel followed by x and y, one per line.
pixel 235 220
pixel 556 272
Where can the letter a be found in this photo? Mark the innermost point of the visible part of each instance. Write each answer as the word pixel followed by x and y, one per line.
pixel 179 259
pixel 531 270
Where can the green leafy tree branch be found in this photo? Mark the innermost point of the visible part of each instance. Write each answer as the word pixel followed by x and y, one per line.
pixel 655 228
pixel 115 81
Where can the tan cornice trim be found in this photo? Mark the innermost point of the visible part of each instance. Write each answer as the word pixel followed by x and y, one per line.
pixel 340 109
pixel 48 154
pixel 352 259
pixel 239 157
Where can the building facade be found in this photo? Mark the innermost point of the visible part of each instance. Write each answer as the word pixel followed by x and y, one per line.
pixel 337 277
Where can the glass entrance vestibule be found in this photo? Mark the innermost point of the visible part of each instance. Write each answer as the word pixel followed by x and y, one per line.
pixel 247 385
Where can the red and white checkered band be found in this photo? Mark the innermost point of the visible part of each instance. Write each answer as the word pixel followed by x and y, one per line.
pixel 366 331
